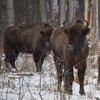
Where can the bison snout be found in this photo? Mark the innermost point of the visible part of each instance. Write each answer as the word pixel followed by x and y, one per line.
pixel 70 47
pixel 48 45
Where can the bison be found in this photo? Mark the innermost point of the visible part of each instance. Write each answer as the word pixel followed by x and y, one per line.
pixel 99 69
pixel 34 39
pixel 70 48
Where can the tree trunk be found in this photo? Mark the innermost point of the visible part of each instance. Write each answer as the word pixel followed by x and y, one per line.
pixel 29 12
pixel 96 13
pixel 62 12
pixel 72 10
pixel 3 15
pixel 10 13
pixel 43 10
pixel 54 12
pixel 36 11
pixel 95 19
pixel 86 10
pixel 81 8
pixel 90 19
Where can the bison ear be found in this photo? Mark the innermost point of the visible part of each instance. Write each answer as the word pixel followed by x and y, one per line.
pixel 42 33
pixel 86 31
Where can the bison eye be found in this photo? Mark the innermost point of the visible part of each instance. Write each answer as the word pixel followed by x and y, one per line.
pixel 86 31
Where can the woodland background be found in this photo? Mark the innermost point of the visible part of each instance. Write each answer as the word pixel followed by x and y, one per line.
pixel 29 85
pixel 54 12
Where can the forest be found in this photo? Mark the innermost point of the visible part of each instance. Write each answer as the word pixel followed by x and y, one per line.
pixel 29 85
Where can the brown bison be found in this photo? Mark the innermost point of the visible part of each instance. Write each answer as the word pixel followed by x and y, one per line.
pixel 70 48
pixel 34 39
pixel 99 69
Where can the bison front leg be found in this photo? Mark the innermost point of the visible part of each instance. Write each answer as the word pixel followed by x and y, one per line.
pixel 81 74
pixel 99 69
pixel 38 62
pixel 59 72
pixel 99 76
pixel 68 79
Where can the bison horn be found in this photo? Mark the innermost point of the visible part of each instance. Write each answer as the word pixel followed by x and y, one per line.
pixel 87 24
pixel 64 23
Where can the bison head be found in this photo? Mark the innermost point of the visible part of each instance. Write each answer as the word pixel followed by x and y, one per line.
pixel 76 32
pixel 46 33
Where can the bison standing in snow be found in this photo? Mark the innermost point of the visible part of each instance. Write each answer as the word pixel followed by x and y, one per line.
pixel 34 39
pixel 70 48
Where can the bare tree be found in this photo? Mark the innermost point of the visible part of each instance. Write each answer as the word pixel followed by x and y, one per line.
pixel 95 19
pixel 96 13
pixel 61 11
pixel 43 10
pixel 86 9
pixel 36 11
pixel 29 11
pixel 90 19
pixel 10 12
pixel 72 7
pixel 54 11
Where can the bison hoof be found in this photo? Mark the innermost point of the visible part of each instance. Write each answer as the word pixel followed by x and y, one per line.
pixel 69 91
pixel 38 70
pixel 14 70
pixel 82 93
pixel 59 90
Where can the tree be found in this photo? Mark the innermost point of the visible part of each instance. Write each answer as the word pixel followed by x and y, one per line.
pixel 61 11
pixel 72 9
pixel 96 16
pixel 10 12
pixel 36 11
pixel 54 11
pixel 43 10
pixel 86 10
pixel 29 11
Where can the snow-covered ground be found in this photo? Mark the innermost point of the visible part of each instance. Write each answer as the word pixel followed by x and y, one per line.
pixel 43 86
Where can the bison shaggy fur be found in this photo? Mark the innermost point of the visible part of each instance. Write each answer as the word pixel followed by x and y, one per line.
pixel 70 48
pixel 33 39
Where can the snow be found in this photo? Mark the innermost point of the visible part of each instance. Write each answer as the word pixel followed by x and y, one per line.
pixel 43 86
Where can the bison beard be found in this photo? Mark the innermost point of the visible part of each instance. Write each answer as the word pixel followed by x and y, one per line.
pixel 70 48
pixel 34 39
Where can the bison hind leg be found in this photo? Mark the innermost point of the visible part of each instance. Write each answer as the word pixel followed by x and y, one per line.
pixel 10 58
pixel 59 67
pixel 68 79
pixel 99 77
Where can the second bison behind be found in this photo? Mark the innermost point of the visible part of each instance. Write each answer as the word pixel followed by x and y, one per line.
pixel 34 39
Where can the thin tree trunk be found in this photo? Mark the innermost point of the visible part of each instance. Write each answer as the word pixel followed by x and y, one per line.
pixel 96 13
pixel 95 20
pixel 54 12
pixel 86 10
pixel 90 19
pixel 43 10
pixel 36 11
pixel 62 12
pixel 10 12
pixel 3 15
pixel 72 10
pixel 29 15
